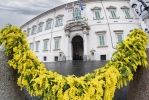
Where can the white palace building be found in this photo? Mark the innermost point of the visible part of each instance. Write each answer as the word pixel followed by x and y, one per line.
pixel 91 33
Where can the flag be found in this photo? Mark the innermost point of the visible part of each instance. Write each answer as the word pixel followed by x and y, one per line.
pixel 66 8
pixel 81 7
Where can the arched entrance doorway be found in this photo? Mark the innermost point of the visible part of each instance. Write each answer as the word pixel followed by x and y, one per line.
pixel 77 48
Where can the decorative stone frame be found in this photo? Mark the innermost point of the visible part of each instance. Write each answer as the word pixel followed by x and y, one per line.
pixel 76 34
pixel 41 23
pixel 43 42
pixel 57 38
pixel 126 8
pixel 97 9
pixel 35 28
pixel 59 16
pixel 31 43
pixel 110 8
pixel 118 32
pixel 101 33
pixel 47 21
pixel 28 33
pixel 35 47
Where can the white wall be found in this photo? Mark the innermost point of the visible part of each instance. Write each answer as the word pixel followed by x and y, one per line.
pixel 95 25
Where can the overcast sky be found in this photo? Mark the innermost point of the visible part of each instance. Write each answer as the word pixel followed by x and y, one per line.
pixel 18 12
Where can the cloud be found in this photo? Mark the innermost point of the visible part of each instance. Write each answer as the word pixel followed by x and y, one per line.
pixel 17 12
pixel 29 7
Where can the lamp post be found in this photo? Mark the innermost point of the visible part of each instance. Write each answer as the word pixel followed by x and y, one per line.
pixel 141 7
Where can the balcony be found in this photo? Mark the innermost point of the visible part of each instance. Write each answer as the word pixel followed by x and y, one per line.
pixel 76 24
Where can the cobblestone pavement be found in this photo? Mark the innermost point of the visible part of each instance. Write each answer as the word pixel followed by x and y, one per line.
pixel 80 68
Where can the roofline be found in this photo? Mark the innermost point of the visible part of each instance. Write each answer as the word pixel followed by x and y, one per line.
pixel 63 6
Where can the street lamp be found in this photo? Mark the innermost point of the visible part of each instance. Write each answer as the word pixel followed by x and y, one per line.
pixel 141 8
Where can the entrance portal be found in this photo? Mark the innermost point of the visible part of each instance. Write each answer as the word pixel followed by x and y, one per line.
pixel 77 47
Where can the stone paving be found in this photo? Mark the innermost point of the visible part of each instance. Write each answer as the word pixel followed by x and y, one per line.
pixel 80 68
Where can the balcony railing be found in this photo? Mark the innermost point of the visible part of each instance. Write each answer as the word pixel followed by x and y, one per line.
pixel 76 20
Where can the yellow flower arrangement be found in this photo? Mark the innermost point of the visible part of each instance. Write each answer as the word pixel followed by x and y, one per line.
pixel 50 85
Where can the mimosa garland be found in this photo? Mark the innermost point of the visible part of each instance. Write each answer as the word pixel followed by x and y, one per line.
pixel 50 85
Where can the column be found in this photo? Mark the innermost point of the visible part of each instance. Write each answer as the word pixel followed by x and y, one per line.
pixel 85 44
pixel 67 45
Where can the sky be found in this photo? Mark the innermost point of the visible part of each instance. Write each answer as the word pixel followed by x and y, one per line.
pixel 18 12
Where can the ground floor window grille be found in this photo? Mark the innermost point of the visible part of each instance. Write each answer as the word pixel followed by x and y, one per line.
pixel 56 58
pixel 103 57
pixel 44 58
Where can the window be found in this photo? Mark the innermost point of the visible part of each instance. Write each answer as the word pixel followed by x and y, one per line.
pixel 76 13
pixel 45 44
pixel 40 27
pixel 37 46
pixel 55 58
pixel 58 22
pixel 33 30
pixel 28 32
pixel 103 57
pixel 102 40
pixel 113 13
pixel 44 58
pixel 48 25
pixel 57 44
pixel 97 15
pixel 31 46
pixel 127 13
pixel 119 38
pixel 97 12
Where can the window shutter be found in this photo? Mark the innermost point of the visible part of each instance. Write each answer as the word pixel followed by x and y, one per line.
pixel 46 25
pixel 127 13
pixel 60 21
pixel 113 14
pixel 101 40
pixel 79 13
pixel 97 15
pixel 73 14
pixel 45 45
pixel 119 37
pixel 56 24
pixel 56 44
pixel 37 45
pixel 32 31
pixel 39 28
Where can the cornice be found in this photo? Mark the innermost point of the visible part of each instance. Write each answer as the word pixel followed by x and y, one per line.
pixel 40 23
pixel 49 19
pixel 60 15
pixel 111 7
pixel 57 37
pixel 33 26
pixel 95 8
pixel 100 32
pixel 124 7
pixel 117 31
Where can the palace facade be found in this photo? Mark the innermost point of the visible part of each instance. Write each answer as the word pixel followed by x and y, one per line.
pixel 91 33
